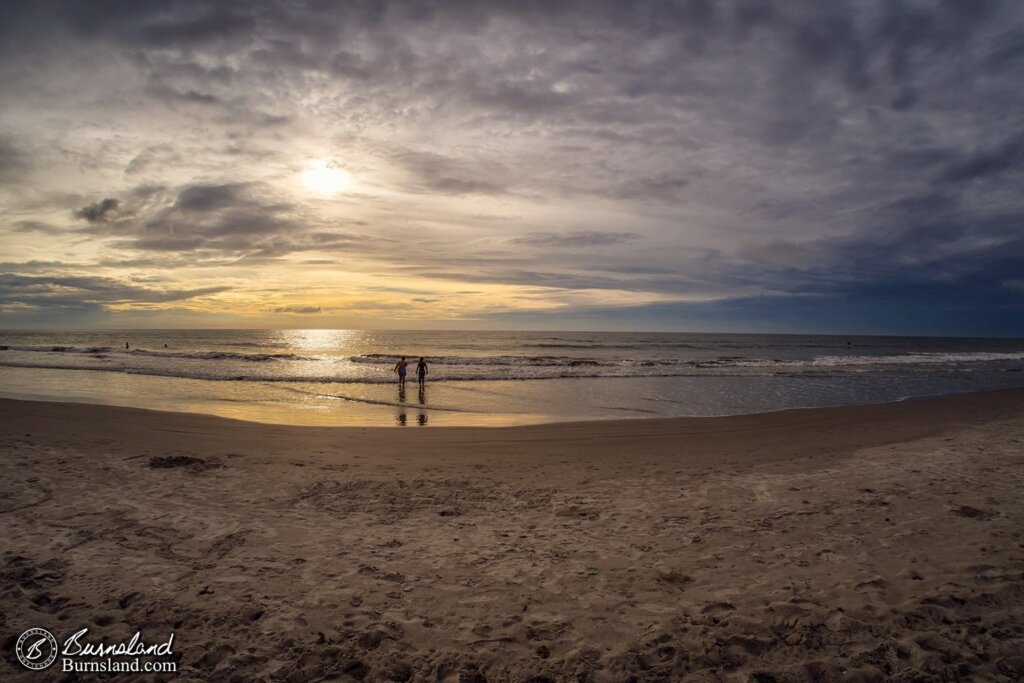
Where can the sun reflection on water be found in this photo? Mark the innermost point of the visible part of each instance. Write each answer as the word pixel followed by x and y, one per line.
pixel 320 340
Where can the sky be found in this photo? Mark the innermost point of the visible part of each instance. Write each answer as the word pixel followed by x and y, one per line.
pixel 740 165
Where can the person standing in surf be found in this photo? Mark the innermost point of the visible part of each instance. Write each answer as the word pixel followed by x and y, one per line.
pixel 401 368
pixel 421 371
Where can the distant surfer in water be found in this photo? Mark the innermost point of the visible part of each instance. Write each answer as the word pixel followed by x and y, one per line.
pixel 401 368
pixel 421 371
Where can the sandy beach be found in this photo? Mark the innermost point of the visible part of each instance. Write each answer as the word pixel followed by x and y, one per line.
pixel 868 543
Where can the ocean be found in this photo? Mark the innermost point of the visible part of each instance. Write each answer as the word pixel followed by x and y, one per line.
pixel 346 377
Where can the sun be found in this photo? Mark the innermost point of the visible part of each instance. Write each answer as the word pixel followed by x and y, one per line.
pixel 324 177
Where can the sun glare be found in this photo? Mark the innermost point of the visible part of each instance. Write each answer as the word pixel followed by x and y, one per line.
pixel 323 177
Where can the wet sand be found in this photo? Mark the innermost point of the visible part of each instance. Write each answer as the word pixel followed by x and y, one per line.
pixel 857 543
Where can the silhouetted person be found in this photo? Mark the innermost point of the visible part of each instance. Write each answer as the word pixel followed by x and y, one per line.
pixel 126 346
pixel 421 371
pixel 401 368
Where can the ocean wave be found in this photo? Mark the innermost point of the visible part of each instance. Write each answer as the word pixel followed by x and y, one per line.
pixel 375 368
pixel 518 361
pixel 52 348
pixel 735 361
pixel 216 374
pixel 582 346
pixel 646 346
pixel 507 373
pixel 222 355
pixel 923 358
pixel 186 355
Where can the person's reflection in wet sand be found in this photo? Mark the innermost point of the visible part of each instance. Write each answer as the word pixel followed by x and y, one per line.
pixel 421 419
pixel 402 419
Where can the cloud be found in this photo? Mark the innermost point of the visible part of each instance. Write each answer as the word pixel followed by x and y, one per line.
pixel 205 198
pixel 151 158
pixel 38 227
pixel 195 25
pixel 667 189
pixel 436 173
pixel 12 160
pixel 987 162
pixel 216 224
pixel 298 309
pixel 79 291
pixel 99 212
pixel 727 148
pixel 575 239
pixel 204 217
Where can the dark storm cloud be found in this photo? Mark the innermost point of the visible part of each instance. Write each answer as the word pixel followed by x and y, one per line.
pixel 154 23
pixel 98 212
pixel 844 36
pixel 575 239
pixel 908 311
pixel 1005 156
pixel 923 253
pixel 234 217
pixel 218 224
pixel 371 42
pixel 197 25
pixel 205 198
pixel 1007 50
pixel 45 291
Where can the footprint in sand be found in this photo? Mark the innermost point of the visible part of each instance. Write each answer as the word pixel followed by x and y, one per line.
pixel 215 657
pixel 675 578
pixel 973 513
pixel 716 609
pixel 876 584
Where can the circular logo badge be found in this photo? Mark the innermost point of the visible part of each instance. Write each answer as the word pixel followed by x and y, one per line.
pixel 36 649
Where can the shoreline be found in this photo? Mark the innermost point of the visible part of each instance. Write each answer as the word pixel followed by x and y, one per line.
pixel 867 542
pixel 499 420
pixel 335 377
pixel 804 431
pixel 7 402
